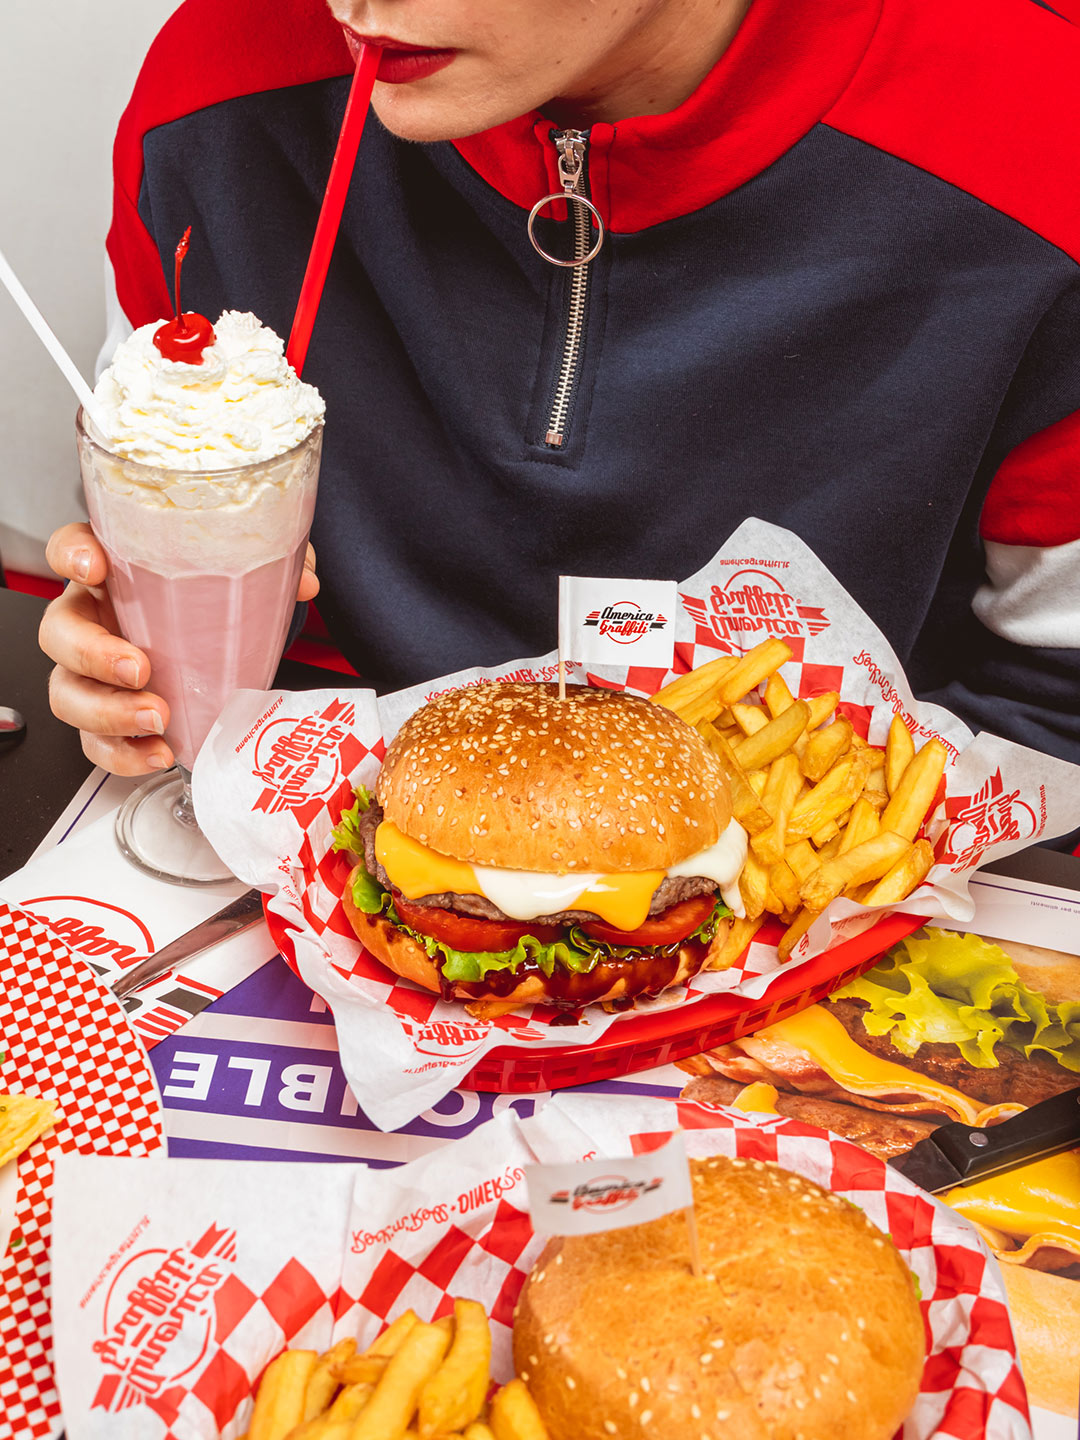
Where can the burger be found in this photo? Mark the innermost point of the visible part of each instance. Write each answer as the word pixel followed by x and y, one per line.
pixel 521 849
pixel 805 1321
pixel 946 1027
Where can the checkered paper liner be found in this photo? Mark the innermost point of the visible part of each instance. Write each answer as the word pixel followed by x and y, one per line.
pixel 345 1250
pixel 66 1039
pixel 278 769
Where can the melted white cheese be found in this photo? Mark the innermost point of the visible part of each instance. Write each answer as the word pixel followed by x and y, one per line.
pixel 525 894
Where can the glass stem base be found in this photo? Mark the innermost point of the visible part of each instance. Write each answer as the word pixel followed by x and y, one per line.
pixel 157 832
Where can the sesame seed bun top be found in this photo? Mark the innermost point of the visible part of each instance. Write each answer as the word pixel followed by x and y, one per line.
pixel 512 776
pixel 804 1323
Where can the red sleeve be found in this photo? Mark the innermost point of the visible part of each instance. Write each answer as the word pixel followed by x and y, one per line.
pixel 207 52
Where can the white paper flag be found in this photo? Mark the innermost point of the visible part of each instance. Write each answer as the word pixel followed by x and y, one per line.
pixel 617 622
pixel 606 1194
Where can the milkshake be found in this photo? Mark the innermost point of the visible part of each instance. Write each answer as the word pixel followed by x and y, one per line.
pixel 201 489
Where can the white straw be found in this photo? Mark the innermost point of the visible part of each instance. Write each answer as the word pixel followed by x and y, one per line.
pixel 44 333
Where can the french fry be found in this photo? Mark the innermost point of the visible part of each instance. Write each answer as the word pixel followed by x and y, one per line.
pixel 869 861
pixel 754 886
pixel 821 707
pixel 754 667
pixel 781 791
pixel 279 1404
pixel 863 824
pixel 22 1119
pixel 322 1427
pixel 350 1402
pixel 361 1369
pixel 394 1336
pixel 915 791
pixel 695 685
pixel 828 800
pixel 738 937
pixel 758 780
pixel 783 883
pixel 479 1431
pixel 745 805
pixel 875 794
pixel 802 858
pixel 773 739
pixel 794 933
pixel 455 1394
pixel 828 840
pixel 323 1384
pixel 898 883
pixel 899 753
pixel 749 718
pixel 387 1414
pixel 825 746
pixel 777 696
pixel 514 1415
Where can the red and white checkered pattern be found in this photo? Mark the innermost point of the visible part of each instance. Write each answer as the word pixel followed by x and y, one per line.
pixel 66 1038
pixel 972 1388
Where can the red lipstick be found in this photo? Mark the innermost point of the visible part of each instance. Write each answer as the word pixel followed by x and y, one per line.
pixel 401 62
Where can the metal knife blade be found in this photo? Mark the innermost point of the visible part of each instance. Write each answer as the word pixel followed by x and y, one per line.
pixel 236 916
pixel 957 1154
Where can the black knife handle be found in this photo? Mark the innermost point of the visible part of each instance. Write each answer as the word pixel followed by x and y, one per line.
pixel 1045 1129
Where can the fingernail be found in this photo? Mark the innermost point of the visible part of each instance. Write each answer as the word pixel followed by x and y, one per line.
pixel 157 761
pixel 80 563
pixel 150 722
pixel 127 673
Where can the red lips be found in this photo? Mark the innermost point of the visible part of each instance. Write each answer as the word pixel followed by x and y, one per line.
pixel 401 62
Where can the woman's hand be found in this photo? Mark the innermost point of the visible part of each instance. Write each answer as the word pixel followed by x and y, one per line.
pixel 100 681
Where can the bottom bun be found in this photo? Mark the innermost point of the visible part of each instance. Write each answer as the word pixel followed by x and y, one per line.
pixel 1045 1311
pixel 620 981
pixel 805 1322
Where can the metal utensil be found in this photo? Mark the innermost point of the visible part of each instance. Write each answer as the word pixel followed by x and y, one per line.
pixel 236 916
pixel 12 726
pixel 957 1154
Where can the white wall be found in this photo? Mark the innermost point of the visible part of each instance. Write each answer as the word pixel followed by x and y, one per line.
pixel 66 72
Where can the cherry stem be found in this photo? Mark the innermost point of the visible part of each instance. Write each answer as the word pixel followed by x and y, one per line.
pixel 181 251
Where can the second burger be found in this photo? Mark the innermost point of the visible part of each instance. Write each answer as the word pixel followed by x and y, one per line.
pixel 523 849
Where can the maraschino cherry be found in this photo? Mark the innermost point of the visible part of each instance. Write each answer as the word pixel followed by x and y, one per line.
pixel 187 335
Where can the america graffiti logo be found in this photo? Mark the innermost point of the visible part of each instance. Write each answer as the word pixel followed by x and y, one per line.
pixel 301 759
pixel 991 816
pixel 751 605
pixel 159 1320
pixel 626 621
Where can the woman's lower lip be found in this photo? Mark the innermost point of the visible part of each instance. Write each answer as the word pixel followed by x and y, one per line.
pixel 398 67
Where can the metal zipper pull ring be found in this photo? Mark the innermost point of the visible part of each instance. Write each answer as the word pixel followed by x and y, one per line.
pixel 571 145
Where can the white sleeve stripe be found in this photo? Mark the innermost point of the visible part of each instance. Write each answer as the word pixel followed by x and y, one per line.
pixel 117 326
pixel 1032 594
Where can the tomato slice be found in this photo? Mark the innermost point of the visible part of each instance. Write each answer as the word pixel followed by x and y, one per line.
pixel 466 932
pixel 673 925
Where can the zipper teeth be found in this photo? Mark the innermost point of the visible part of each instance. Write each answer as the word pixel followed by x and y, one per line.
pixel 575 324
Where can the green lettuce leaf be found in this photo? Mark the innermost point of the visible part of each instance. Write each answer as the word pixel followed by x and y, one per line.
pixel 347 831
pixel 473 965
pixel 939 987
pixel 368 895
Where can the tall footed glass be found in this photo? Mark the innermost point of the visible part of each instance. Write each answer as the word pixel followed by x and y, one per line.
pixel 203 571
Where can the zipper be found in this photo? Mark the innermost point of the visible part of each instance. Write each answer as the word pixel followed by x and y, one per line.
pixel 572 146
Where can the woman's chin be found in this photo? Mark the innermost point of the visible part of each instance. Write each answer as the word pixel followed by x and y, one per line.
pixel 410 115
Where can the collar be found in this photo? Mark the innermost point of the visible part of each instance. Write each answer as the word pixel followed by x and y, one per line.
pixel 788 64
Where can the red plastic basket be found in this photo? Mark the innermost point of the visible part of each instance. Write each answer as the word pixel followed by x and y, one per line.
pixel 642 1042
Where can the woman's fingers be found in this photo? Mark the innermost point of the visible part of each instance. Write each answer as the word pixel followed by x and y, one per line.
pixel 126 757
pixel 309 581
pixel 105 709
pixel 75 554
pixel 72 634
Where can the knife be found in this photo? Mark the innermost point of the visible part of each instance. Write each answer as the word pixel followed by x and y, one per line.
pixel 236 916
pixel 957 1154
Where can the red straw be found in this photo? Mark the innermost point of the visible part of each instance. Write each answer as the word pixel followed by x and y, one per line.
pixel 337 187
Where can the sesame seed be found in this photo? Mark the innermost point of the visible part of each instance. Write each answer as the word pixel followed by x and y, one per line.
pixel 833 1359
pixel 695 1411
pixel 646 1416
pixel 717 1344
pixel 534 1360
pixel 633 1399
pixel 610 1427
pixel 861 1324
pixel 620 1372
pixel 571 1383
pixel 705 1358
pixel 645 1385
pixel 852 1397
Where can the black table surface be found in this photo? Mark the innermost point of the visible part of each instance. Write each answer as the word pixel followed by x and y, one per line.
pixel 39 776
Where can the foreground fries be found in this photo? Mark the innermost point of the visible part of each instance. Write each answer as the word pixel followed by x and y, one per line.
pixel 427 1381
pixel 827 814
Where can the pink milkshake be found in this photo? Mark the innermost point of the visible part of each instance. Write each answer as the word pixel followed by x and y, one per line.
pixel 202 494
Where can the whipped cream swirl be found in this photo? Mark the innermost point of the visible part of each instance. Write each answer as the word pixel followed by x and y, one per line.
pixel 244 404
